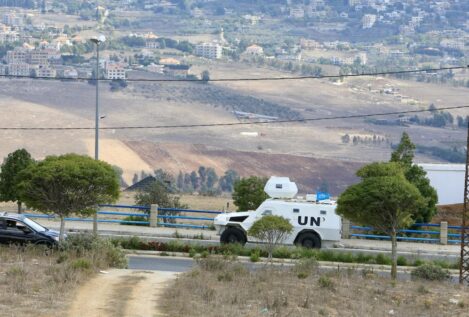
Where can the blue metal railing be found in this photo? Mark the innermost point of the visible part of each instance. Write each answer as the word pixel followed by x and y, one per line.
pixel 415 235
pixel 179 217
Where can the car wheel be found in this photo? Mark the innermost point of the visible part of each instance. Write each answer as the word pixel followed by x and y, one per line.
pixel 233 235
pixel 309 240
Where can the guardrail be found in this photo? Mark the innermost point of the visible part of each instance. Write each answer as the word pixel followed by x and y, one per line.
pixel 150 216
pixel 441 233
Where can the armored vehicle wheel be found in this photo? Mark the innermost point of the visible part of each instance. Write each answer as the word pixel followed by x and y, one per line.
pixel 233 235
pixel 309 240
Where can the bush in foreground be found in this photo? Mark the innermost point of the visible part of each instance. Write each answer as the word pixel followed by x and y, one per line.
pixel 430 272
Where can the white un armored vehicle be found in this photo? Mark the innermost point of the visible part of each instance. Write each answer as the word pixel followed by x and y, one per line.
pixel 314 220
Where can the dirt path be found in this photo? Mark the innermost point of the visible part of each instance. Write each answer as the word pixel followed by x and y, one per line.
pixel 121 293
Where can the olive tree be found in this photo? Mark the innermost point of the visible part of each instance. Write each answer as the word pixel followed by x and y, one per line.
pixel 68 184
pixel 383 199
pixel 13 164
pixel 160 193
pixel 272 230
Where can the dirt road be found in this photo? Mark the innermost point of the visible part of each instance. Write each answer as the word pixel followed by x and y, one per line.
pixel 121 293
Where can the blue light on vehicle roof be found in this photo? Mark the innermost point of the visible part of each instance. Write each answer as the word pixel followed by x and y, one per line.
pixel 322 196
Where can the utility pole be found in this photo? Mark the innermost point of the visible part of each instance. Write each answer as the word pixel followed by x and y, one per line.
pixel 97 40
pixel 464 264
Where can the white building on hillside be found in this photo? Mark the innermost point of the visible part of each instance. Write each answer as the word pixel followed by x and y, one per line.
pixel 209 50
pixel 368 21
pixel 115 71
pixel 254 50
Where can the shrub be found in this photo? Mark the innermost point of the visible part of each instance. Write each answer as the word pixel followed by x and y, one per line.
pixel 272 230
pixel 430 272
pixel 345 257
pixel 81 264
pixel 304 267
pixel 102 253
pixel 325 281
pixel 327 256
pixel 234 249
pixel 383 260
pixel 282 252
pixel 401 261
pixel 135 218
pixel 255 255
pixel 304 253
pixel 211 264
pixel 418 262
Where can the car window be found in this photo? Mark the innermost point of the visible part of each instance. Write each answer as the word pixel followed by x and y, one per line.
pixel 14 226
pixel 11 225
pixel 2 223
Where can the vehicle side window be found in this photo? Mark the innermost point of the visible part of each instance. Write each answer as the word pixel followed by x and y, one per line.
pixel 267 212
pixel 14 226
pixel 2 224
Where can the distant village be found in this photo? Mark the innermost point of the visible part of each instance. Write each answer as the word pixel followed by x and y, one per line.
pixel 30 53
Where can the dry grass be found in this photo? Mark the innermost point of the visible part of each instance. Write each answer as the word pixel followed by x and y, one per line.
pixel 215 289
pixel 36 281
pixel 32 283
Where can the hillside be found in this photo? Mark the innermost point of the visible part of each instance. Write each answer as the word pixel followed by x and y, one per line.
pixel 310 173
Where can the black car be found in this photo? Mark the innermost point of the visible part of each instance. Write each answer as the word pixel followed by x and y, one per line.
pixel 18 229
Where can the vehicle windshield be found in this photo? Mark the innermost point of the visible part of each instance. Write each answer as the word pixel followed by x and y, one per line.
pixel 34 225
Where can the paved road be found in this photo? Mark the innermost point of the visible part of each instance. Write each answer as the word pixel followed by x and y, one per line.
pixel 170 264
pixel 151 263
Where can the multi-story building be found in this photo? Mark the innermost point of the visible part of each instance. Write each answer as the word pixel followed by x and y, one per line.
pixel 19 69
pixel 45 72
pixel 368 21
pixel 37 57
pixel 209 50
pixel 152 43
pixel 12 19
pixel 9 37
pixel 3 69
pixel 114 71
pixel 18 55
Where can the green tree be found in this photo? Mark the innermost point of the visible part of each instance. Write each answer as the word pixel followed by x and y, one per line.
pixel 248 193
pixel 13 164
pixel 159 193
pixel 272 230
pixel 404 155
pixel 68 184
pixel 227 181
pixel 383 199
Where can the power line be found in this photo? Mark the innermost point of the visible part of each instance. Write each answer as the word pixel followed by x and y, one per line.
pixel 235 123
pixel 397 72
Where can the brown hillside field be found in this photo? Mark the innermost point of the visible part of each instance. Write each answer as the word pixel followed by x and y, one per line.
pixel 230 290
pixel 308 172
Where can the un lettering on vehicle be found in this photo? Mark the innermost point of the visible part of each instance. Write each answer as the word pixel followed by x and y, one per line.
pixel 311 221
